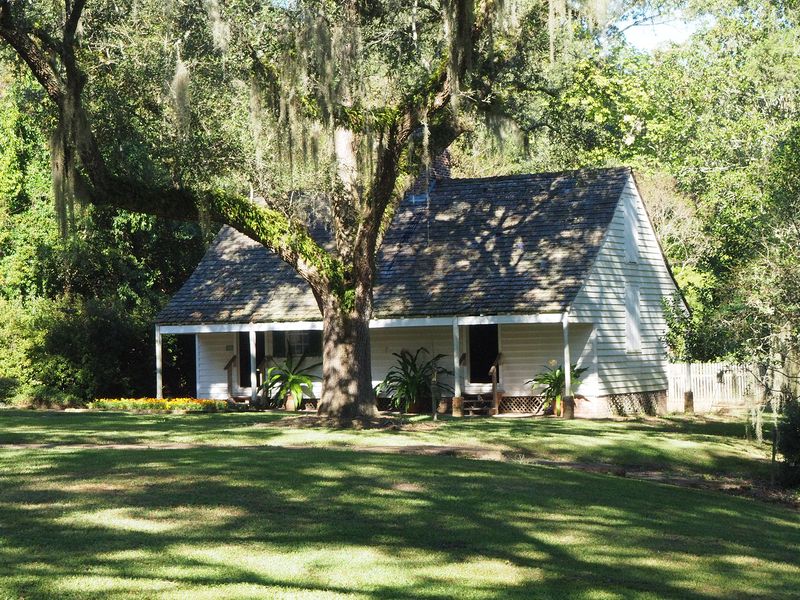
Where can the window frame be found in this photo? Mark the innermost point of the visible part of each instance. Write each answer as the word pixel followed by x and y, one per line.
pixel 261 352
pixel 632 235
pixel 287 344
pixel 633 319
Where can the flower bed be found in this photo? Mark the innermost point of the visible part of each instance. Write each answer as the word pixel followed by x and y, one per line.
pixel 160 405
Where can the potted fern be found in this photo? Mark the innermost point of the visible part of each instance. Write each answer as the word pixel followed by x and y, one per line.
pixel 553 382
pixel 289 382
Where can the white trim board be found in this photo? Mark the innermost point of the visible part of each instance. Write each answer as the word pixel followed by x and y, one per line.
pixel 242 327
pixel 555 317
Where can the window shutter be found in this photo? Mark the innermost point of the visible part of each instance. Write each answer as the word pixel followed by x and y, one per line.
pixel 314 343
pixel 279 344
pixel 633 327
pixel 631 215
pixel 244 359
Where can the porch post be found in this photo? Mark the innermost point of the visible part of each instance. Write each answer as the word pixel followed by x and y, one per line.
pixel 456 358
pixel 253 378
pixel 567 407
pixel 159 373
pixel 458 400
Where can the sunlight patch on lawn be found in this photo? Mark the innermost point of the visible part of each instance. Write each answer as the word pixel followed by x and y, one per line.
pixel 154 521
pixel 121 519
pixel 128 556
pixel 237 591
pixel 39 506
pixel 482 572
pixel 367 568
pixel 84 584
pixel 316 565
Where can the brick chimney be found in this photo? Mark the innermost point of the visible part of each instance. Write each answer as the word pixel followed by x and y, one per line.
pixel 439 169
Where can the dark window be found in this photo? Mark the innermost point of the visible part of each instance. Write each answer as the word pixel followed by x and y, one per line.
pixel 244 356
pixel 180 368
pixel 296 343
pixel 483 349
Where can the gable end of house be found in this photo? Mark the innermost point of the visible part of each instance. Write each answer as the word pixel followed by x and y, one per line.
pixel 623 296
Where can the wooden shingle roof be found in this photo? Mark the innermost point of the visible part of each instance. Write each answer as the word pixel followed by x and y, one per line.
pixel 520 244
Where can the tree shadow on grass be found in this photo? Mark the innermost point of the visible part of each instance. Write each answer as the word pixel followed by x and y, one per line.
pixel 682 446
pixel 312 520
pixel 676 445
pixel 56 427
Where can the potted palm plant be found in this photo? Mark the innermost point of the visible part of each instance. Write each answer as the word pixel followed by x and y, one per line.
pixel 553 382
pixel 289 382
pixel 414 382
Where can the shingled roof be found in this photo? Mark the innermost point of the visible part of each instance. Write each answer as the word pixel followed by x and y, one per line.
pixel 520 244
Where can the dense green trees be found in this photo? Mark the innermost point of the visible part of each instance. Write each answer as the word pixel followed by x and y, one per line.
pixel 75 311
pixel 188 113
pixel 323 111
pixel 728 109
pixel 711 127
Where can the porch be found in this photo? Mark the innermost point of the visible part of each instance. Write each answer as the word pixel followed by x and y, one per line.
pixel 486 354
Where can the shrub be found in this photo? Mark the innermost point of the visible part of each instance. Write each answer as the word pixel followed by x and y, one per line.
pixel 789 440
pixel 31 395
pixel 160 404
pixel 15 364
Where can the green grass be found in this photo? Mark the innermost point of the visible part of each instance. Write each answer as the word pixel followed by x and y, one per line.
pixel 682 445
pixel 217 521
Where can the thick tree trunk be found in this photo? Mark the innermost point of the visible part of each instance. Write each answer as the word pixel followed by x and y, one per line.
pixel 346 363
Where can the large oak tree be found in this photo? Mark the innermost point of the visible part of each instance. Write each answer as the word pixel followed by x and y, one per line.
pixel 267 115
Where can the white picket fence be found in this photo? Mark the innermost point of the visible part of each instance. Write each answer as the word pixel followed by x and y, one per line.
pixel 716 386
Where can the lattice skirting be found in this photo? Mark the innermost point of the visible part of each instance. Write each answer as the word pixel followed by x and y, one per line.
pixel 648 403
pixel 522 404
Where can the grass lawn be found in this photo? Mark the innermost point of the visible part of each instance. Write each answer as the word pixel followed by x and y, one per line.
pixel 314 520
pixel 677 444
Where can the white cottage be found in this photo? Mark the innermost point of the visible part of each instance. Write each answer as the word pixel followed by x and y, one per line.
pixel 536 268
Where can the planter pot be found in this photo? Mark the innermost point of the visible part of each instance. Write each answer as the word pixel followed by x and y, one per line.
pixel 444 406
pixel 291 404
pixel 420 407
pixel 383 403
pixel 458 406
pixel 568 407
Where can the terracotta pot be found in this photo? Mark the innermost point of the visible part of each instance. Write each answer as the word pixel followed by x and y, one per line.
pixel 568 407
pixel 291 404
pixel 458 406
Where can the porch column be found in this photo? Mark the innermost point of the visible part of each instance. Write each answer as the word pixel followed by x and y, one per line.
pixel 253 378
pixel 567 405
pixel 567 360
pixel 456 359
pixel 159 373
pixel 688 393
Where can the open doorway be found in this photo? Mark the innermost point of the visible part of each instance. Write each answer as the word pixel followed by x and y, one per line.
pixel 483 350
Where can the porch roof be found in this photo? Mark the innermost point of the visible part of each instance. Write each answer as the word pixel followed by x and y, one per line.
pixel 520 244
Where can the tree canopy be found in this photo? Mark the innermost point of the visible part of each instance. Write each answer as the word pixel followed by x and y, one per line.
pixel 273 117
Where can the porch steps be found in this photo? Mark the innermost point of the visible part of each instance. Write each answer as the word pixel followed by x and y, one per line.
pixel 477 404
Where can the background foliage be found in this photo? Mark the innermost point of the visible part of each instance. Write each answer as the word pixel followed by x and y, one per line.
pixel 711 126
pixel 76 312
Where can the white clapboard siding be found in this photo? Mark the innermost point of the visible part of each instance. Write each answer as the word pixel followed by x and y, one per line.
pixel 602 301
pixel 715 386
pixel 528 348
pixel 214 350
pixel 385 342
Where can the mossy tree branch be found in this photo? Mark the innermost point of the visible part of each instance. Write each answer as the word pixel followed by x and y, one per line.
pixel 288 238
